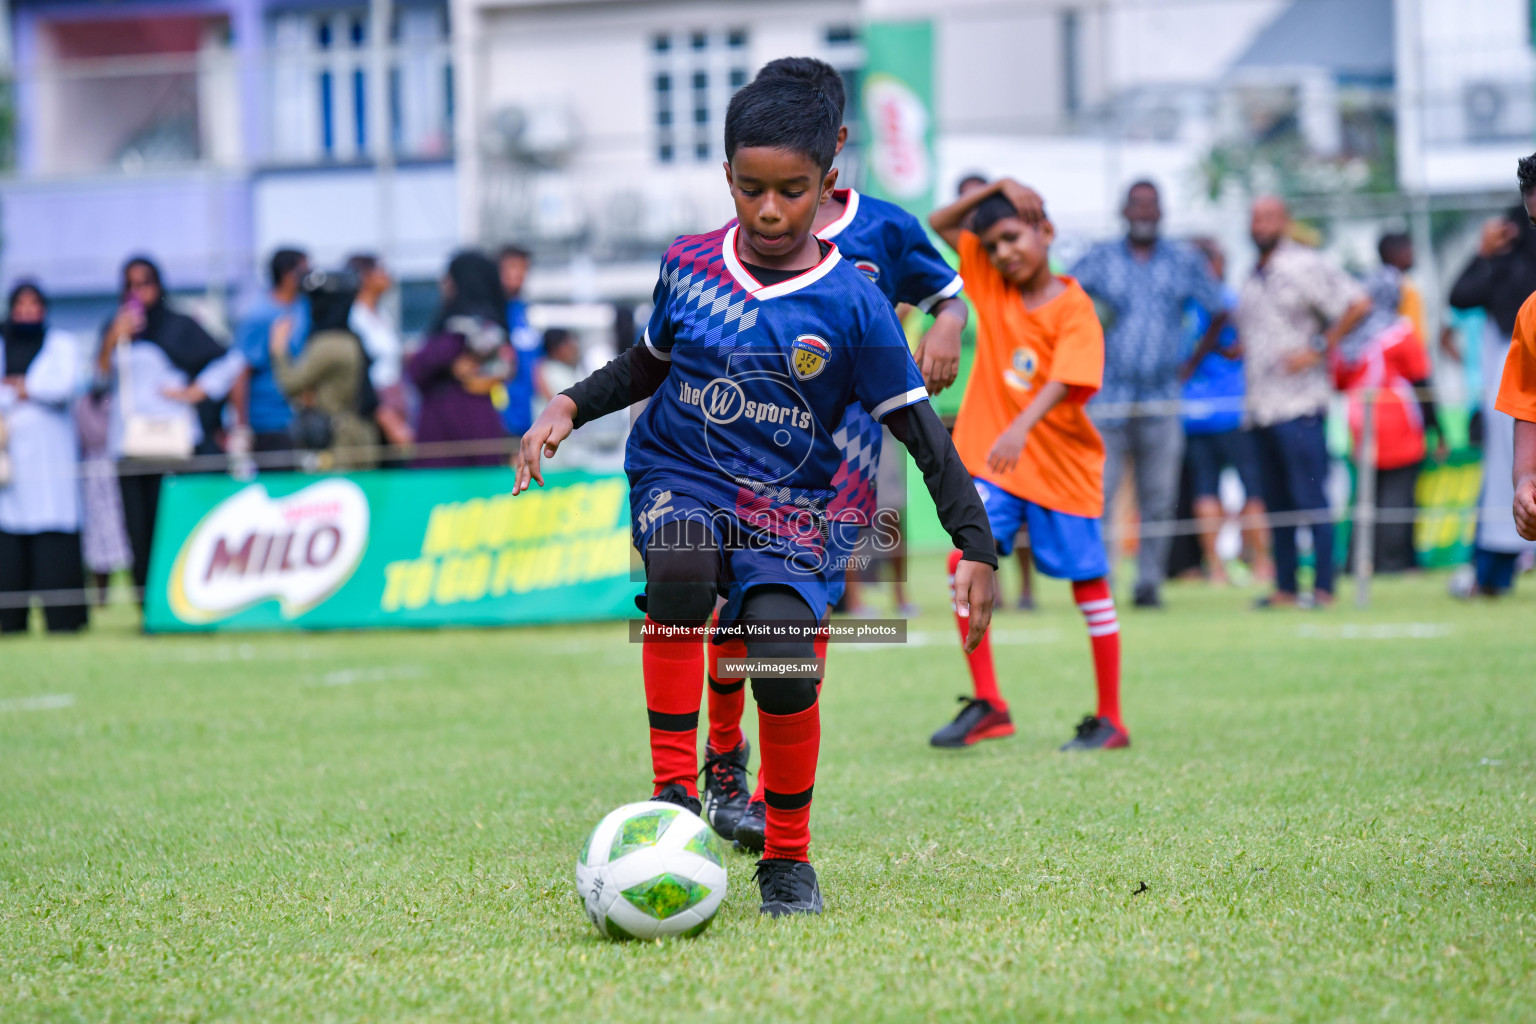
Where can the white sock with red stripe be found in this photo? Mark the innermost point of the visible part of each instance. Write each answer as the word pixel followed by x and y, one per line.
pixel 1098 607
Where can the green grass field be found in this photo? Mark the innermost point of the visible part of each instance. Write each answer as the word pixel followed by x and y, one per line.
pixel 1331 813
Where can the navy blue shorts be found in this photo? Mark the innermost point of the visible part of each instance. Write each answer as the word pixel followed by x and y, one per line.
pixel 749 557
pixel 1209 454
pixel 1065 546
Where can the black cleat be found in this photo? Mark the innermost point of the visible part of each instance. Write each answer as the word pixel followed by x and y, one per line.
pixel 674 793
pixel 725 788
pixel 788 887
pixel 1095 733
pixel 978 720
pixel 1146 596
pixel 752 828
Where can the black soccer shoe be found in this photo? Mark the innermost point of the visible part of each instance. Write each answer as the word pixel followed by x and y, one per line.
pixel 788 887
pixel 1095 733
pixel 725 788
pixel 978 720
pixel 674 793
pixel 752 828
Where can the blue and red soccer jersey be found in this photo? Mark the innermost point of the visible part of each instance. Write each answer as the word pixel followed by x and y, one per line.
pixel 890 247
pixel 761 378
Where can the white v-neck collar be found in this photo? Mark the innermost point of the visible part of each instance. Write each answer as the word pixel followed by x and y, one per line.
pixel 763 292
pixel 850 211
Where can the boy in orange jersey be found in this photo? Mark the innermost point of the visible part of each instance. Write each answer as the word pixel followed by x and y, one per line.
pixel 1027 440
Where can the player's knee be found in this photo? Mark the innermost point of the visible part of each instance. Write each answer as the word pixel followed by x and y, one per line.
pixel 778 696
pixel 679 602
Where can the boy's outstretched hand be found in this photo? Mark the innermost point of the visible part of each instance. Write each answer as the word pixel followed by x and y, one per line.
pixel 975 590
pixel 542 440
pixel 1525 507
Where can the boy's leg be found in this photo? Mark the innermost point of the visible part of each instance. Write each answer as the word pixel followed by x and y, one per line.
pixel 1072 547
pixel 789 732
pixel 682 563
pixel 727 695
pixel 984 715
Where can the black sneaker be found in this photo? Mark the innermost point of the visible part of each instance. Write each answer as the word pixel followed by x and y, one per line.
pixel 674 793
pixel 725 788
pixel 788 887
pixel 752 829
pixel 978 720
pixel 1095 733
pixel 1146 596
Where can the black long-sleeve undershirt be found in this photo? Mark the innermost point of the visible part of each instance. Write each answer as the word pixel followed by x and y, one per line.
pixel 639 373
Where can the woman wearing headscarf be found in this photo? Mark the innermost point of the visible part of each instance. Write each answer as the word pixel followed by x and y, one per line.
pixel 39 486
pixel 327 383
pixel 1498 280
pixel 463 365
pixel 161 364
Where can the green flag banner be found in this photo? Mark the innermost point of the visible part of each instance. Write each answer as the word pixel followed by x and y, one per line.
pixel 897 95
pixel 417 547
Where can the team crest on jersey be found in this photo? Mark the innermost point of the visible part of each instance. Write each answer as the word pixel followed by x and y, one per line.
pixel 868 269
pixel 810 356
pixel 1021 373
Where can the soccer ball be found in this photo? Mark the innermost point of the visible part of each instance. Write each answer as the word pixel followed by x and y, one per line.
pixel 651 869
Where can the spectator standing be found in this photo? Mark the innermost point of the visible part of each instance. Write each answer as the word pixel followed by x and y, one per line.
pixel 329 380
pixel 1214 438
pixel 462 363
pixel 102 536
pixel 40 491
pixel 1498 281
pixel 1385 355
pixel 381 342
pixel 561 366
pixel 1142 285
pixel 527 347
pixel 161 364
pixel 1293 295
pixel 259 402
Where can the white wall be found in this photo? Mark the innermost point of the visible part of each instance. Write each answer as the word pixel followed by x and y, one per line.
pixel 334 213
pixel 1445 50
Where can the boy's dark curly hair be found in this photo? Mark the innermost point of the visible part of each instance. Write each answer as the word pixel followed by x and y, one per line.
pixel 1525 173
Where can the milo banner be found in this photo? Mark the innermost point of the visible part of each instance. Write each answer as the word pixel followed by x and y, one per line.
pixel 388 548
pixel 1447 493
pixel 898 112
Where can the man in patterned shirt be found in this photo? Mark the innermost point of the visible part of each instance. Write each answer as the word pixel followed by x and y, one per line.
pixel 1291 315
pixel 1142 285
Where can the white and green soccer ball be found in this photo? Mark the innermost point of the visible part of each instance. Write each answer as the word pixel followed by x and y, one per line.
pixel 649 870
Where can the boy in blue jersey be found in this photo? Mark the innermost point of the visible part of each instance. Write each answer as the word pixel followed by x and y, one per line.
pixel 760 339
pixel 890 247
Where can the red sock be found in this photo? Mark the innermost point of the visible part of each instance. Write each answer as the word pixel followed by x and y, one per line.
pixel 821 652
pixel 672 696
pixel 1098 607
pixel 983 673
pixel 727 694
pixel 790 744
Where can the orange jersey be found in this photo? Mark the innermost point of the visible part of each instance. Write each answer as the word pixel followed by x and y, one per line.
pixel 1017 351
pixel 1517 389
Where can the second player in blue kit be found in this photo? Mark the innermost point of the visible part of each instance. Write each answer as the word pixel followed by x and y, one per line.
pixel 761 337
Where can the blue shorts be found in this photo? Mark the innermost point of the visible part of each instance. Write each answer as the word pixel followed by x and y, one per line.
pixel 1065 546
pixel 749 557
pixel 1208 454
